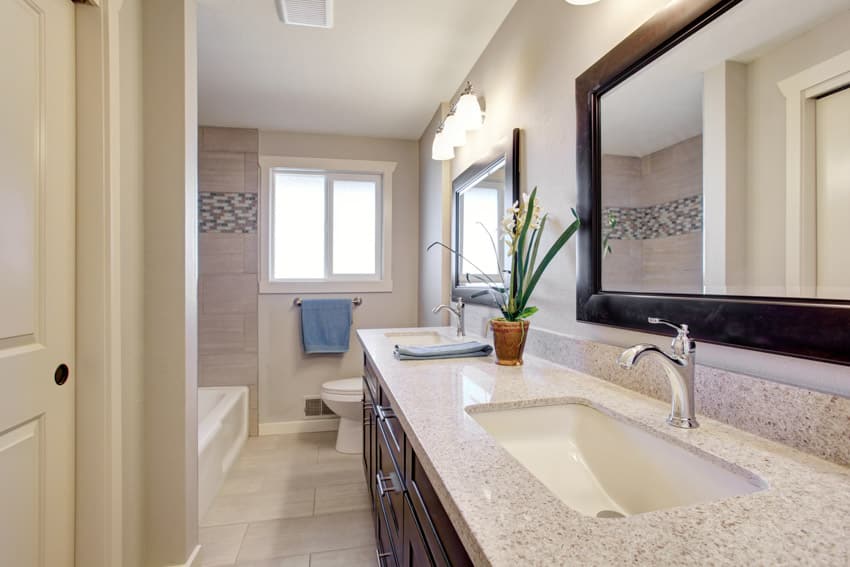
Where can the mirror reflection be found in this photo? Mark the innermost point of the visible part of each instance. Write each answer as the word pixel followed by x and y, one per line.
pixel 480 206
pixel 726 162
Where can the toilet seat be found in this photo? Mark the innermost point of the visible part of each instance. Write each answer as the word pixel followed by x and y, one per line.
pixel 344 387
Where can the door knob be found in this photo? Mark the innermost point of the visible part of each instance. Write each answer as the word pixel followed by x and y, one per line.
pixel 61 374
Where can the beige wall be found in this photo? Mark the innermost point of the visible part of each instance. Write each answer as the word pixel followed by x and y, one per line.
pixel 435 208
pixel 227 268
pixel 170 280
pixel 286 374
pixel 527 75
pixel 765 222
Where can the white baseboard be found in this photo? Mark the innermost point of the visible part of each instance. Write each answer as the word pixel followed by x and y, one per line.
pixel 194 559
pixel 299 426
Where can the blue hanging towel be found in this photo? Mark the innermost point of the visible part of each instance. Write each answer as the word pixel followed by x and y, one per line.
pixel 325 325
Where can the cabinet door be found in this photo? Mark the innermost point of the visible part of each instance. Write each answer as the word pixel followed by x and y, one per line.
pixel 415 552
pixel 369 439
pixel 385 553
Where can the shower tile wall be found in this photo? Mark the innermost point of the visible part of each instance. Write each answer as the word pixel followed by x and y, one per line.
pixel 228 177
pixel 657 243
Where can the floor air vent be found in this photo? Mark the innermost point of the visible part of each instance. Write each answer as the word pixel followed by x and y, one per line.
pixel 315 407
pixel 311 13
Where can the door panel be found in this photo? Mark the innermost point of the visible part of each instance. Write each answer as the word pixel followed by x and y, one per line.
pixel 37 187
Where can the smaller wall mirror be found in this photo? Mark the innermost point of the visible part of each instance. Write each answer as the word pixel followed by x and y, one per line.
pixel 482 193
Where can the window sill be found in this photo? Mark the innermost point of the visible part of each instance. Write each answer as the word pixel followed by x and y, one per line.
pixel 383 286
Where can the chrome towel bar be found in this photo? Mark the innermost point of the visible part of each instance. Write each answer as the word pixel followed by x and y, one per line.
pixel 356 301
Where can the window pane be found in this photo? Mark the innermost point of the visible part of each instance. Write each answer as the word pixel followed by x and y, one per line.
pixel 355 229
pixel 480 205
pixel 298 226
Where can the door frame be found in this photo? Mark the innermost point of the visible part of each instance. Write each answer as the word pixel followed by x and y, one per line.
pixel 99 524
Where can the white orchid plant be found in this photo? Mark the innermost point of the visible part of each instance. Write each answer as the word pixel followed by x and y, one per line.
pixel 522 228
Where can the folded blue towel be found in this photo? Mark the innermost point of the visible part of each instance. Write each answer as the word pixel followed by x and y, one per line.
pixel 325 325
pixel 453 350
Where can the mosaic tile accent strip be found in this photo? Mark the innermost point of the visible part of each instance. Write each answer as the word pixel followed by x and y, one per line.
pixel 234 213
pixel 658 221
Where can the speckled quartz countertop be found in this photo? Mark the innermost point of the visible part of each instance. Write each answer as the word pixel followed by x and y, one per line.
pixel 505 516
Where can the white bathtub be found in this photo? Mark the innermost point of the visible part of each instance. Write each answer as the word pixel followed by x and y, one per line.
pixel 222 431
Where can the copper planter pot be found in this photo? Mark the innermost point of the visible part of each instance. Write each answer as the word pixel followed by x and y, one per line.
pixel 509 341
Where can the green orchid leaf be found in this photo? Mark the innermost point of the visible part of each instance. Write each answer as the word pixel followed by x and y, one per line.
pixel 550 255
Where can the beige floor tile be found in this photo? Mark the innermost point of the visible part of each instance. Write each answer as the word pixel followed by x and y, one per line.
pixel 220 545
pixel 293 476
pixel 291 561
pixel 342 498
pixel 279 538
pixel 259 506
pixel 245 482
pixel 357 557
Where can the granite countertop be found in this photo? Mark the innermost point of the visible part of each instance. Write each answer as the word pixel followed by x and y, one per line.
pixel 505 516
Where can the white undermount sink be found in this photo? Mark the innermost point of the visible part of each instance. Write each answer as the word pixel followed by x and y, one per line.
pixel 419 338
pixel 601 466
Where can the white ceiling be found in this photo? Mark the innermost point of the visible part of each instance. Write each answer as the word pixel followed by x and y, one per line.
pixel 662 104
pixel 380 71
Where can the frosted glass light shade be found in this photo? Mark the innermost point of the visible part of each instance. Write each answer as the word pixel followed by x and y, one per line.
pixel 441 149
pixel 582 2
pixel 454 131
pixel 468 112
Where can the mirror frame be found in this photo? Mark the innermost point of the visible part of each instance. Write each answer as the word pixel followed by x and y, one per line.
pixel 814 329
pixel 511 156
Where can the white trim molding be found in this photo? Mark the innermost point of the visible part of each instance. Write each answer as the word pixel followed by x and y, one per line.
pixel 194 559
pixel 299 426
pixel 384 169
pixel 801 91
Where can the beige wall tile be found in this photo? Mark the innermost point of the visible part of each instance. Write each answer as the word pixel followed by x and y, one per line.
pixel 220 264
pixel 229 139
pixel 250 332
pixel 250 253
pixel 229 369
pixel 221 172
pixel 224 332
pixel 220 544
pixel 252 172
pixel 305 535
pixel 229 293
pixel 220 243
pixel 357 557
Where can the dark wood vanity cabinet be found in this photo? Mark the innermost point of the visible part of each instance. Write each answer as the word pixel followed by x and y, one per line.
pixel 411 527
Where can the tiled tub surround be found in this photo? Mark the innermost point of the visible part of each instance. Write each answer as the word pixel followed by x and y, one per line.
pixel 227 249
pixel 657 201
pixel 505 516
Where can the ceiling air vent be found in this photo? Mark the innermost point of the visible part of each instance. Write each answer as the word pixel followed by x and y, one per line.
pixel 312 13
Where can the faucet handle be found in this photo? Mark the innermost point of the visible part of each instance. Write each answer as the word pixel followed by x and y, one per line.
pixel 682 329
pixel 683 343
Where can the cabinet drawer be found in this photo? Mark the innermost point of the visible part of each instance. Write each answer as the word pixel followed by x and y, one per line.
pixel 394 431
pixel 370 378
pixel 389 488
pixel 437 529
pixel 385 554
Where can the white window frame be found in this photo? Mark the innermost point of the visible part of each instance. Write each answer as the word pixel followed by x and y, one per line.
pixel 381 171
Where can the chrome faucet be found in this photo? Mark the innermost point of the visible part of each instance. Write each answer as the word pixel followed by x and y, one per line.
pixel 457 311
pixel 679 368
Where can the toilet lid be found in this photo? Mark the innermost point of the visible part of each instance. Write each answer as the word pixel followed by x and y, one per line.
pixel 344 386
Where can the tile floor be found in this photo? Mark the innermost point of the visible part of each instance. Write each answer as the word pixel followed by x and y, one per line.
pixel 291 501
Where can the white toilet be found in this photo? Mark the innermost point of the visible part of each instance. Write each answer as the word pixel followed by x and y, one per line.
pixel 345 398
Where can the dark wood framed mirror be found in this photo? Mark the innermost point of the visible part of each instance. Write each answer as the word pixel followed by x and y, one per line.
pixel 480 196
pixel 737 245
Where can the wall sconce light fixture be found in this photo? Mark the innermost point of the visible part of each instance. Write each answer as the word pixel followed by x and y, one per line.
pixel 464 115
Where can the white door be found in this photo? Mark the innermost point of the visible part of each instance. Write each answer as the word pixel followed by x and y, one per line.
pixel 37 186
pixel 833 195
